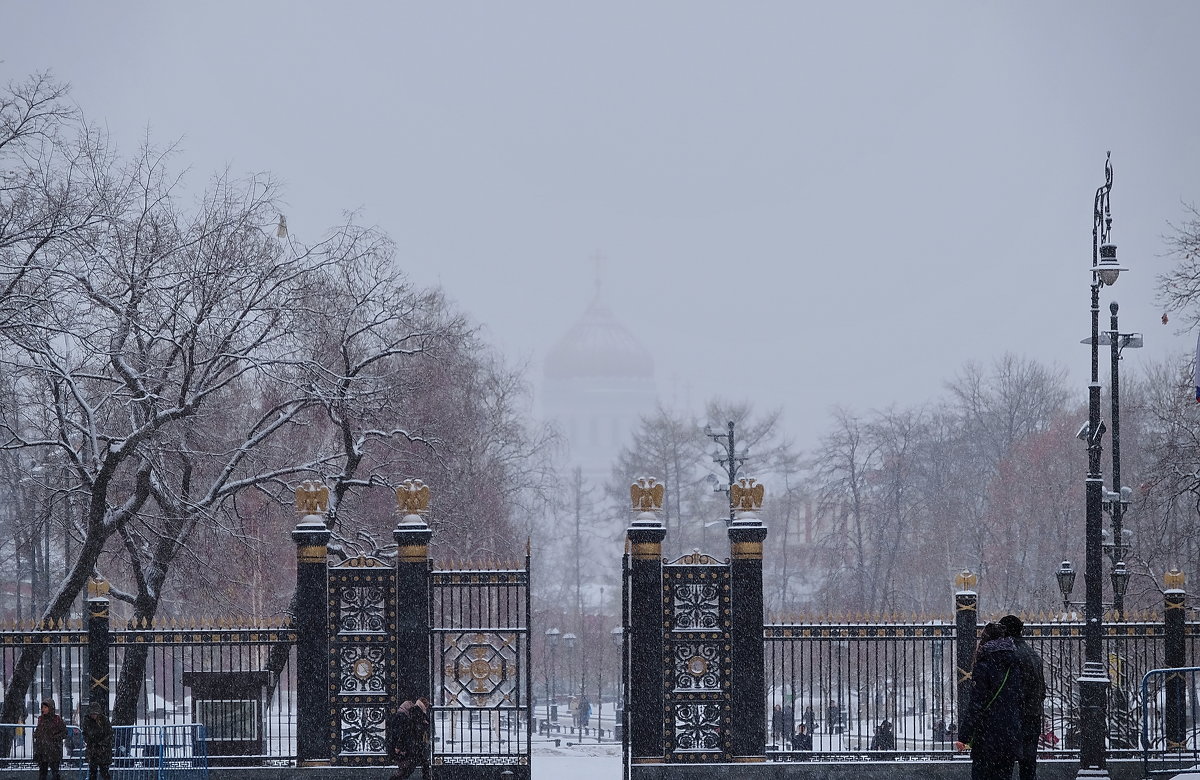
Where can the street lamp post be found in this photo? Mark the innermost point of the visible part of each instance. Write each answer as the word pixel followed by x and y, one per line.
pixel 552 635
pixel 1093 682
pixel 730 461
pixel 569 642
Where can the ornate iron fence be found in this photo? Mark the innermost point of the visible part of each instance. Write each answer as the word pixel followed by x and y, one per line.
pixel 843 681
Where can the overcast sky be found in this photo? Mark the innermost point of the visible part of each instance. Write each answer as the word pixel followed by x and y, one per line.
pixel 804 204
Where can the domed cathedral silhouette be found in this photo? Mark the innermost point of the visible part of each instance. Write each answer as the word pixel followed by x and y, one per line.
pixel 598 381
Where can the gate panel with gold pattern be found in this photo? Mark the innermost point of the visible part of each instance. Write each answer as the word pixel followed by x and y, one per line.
pixel 697 660
pixel 362 659
pixel 479 625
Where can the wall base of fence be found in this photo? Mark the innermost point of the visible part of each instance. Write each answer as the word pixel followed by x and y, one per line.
pixel 860 770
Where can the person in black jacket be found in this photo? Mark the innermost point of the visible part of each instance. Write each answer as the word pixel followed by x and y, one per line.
pixel 98 738
pixel 408 738
pixel 991 726
pixel 1033 695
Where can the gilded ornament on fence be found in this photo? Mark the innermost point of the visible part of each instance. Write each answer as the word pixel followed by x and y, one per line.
pixel 412 497
pixel 746 494
pixel 312 498
pixel 1173 579
pixel 647 494
pixel 966 580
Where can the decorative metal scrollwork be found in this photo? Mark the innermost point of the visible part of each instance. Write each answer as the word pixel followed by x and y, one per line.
pixel 364 669
pixel 363 729
pixel 362 610
pixel 696 607
pixel 697 727
pixel 697 667
pixel 480 668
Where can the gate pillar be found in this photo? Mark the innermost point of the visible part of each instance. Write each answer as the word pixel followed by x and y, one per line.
pixel 98 642
pixel 1175 656
pixel 311 536
pixel 966 617
pixel 644 705
pixel 412 535
pixel 746 535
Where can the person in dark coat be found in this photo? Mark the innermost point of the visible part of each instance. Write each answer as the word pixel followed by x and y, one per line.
pixel 98 740
pixel 885 737
pixel 1033 696
pixel 48 738
pixel 408 738
pixel 779 730
pixel 802 739
pixel 991 726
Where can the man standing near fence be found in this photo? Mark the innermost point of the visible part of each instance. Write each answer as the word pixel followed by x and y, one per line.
pixel 1033 694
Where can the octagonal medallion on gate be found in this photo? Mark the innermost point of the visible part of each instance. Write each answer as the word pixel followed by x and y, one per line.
pixel 480 668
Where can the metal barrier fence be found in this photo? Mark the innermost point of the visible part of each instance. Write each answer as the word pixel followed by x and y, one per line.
pixel 888 690
pixel 18 737
pixel 1170 743
pixel 159 753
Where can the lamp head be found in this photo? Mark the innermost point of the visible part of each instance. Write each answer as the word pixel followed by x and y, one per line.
pixel 1120 579
pixel 1108 269
pixel 1066 579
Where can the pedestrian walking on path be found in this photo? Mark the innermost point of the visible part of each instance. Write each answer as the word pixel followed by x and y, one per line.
pixel 48 736
pixel 98 742
pixel 991 727
pixel 1033 696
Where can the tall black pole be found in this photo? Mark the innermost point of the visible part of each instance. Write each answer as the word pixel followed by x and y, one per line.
pixel 1117 505
pixel 1093 682
pixel 731 462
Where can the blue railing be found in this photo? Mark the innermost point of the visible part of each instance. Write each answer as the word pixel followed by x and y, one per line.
pixel 1170 752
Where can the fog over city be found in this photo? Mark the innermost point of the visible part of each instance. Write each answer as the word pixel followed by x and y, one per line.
pixel 802 204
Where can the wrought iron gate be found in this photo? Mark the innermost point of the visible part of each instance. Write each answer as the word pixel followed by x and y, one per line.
pixel 697 660
pixel 362 659
pixel 480 651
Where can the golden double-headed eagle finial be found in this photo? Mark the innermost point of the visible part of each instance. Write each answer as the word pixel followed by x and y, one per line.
pixel 747 494
pixel 412 497
pixel 312 498
pixel 647 494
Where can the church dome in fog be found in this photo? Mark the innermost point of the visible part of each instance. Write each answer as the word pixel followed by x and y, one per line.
pixel 599 346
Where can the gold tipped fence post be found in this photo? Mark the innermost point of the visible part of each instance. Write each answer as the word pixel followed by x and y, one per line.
pixel 966 621
pixel 311 536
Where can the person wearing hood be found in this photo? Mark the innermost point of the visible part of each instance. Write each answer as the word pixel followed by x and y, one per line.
pixel 48 736
pixel 98 738
pixel 991 726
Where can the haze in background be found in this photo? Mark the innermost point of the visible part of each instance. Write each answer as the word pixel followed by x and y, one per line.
pixel 803 204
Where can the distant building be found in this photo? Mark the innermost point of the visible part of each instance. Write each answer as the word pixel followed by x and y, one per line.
pixel 598 381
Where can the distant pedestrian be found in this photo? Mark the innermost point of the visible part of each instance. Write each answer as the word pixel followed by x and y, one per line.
pixel 48 736
pixel 779 730
pixel 98 741
pixel 939 730
pixel 885 738
pixel 802 740
pixel 810 719
pixel 991 726
pixel 833 716
pixel 585 712
pixel 1033 696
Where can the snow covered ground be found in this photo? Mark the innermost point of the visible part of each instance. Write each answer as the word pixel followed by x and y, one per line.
pixel 577 762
